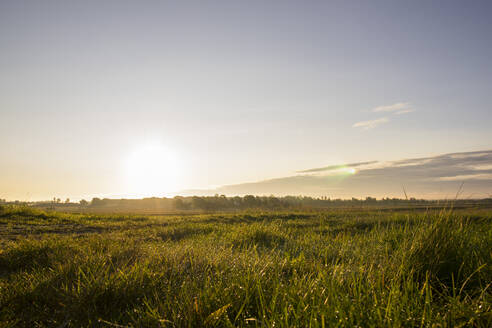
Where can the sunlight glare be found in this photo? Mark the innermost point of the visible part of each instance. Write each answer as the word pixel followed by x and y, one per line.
pixel 152 170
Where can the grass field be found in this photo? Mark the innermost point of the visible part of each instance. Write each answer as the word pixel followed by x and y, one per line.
pixel 340 268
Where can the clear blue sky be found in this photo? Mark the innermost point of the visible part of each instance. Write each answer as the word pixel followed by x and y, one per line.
pixel 225 92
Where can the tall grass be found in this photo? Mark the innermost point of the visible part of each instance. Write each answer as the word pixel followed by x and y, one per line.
pixel 331 269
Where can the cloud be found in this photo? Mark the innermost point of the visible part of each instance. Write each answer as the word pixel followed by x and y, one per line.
pixel 428 177
pixel 397 108
pixel 336 167
pixel 391 108
pixel 366 125
pixel 405 111
pixel 467 177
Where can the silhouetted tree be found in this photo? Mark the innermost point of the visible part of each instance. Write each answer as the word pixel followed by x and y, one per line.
pixel 96 201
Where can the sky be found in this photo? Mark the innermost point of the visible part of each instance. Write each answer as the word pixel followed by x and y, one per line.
pixel 149 98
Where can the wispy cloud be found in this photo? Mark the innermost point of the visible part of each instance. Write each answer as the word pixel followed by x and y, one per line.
pixel 366 125
pixel 397 108
pixel 336 167
pixel 464 177
pixel 405 111
pixel 391 108
pixel 430 177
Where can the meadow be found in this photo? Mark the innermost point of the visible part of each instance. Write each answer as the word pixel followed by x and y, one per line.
pixel 326 268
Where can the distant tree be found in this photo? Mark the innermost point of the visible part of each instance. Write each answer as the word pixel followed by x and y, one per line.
pixel 179 203
pixel 67 201
pixel 96 201
pixel 83 202
pixel 249 201
pixel 200 203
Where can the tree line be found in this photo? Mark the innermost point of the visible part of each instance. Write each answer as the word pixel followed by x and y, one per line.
pixel 222 202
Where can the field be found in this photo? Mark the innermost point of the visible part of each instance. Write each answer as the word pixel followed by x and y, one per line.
pixel 331 268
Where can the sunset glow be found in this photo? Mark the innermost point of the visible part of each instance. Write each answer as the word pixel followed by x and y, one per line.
pixel 151 170
pixel 250 163
pixel 151 98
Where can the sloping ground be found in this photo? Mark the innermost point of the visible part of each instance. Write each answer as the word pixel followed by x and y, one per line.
pixel 329 269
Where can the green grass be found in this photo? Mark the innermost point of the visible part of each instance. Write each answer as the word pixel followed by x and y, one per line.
pixel 327 269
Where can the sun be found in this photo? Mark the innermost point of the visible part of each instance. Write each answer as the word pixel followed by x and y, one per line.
pixel 152 170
